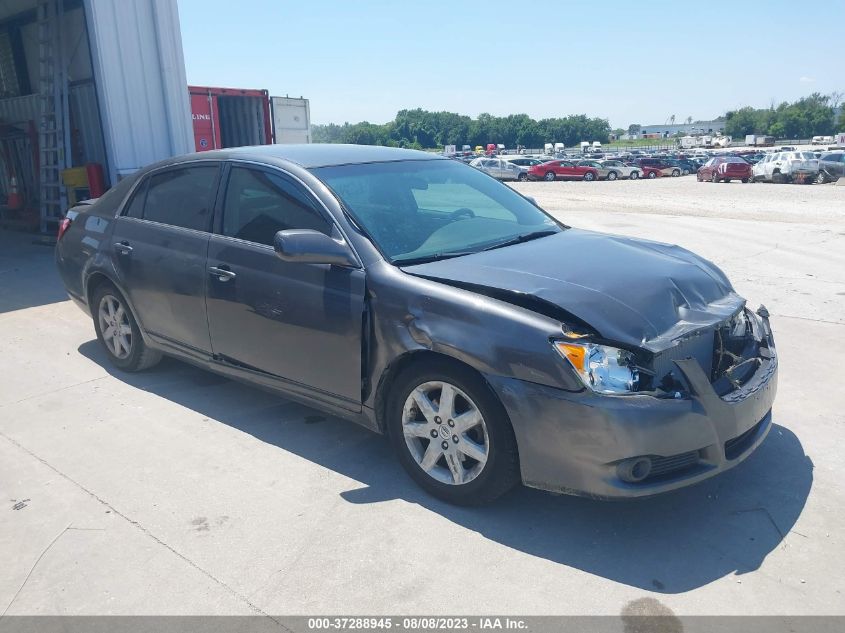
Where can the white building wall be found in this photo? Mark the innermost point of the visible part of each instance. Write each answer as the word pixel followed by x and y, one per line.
pixel 136 50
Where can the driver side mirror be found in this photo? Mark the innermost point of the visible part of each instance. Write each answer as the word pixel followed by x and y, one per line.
pixel 306 246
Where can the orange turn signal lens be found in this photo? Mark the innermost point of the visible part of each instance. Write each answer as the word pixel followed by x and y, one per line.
pixel 575 354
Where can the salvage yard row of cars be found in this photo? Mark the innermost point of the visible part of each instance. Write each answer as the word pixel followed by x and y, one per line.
pixel 776 167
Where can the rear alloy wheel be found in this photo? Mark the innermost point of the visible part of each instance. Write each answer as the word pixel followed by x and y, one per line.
pixel 451 434
pixel 634 175
pixel 611 175
pixel 589 176
pixel 119 333
pixel 676 173
pixel 550 175
pixel 522 177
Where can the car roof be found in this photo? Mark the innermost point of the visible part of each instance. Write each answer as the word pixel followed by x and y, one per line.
pixel 314 154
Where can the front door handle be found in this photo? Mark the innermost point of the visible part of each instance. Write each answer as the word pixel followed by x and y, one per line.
pixel 221 272
pixel 123 248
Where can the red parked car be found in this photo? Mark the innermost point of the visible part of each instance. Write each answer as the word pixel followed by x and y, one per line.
pixel 725 168
pixel 649 171
pixel 562 170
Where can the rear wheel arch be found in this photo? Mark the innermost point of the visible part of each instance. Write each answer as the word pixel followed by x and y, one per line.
pixel 97 279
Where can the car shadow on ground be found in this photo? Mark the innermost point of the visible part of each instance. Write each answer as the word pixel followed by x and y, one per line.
pixel 668 544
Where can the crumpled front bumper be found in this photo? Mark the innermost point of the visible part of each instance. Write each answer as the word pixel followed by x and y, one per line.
pixel 573 442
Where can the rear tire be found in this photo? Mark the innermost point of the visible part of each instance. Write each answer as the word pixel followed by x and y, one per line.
pixel 676 173
pixel 522 177
pixel 611 175
pixel 714 177
pixel 549 177
pixel 589 176
pixel 652 175
pixel 822 178
pixel 634 175
pixel 118 332
pixel 491 438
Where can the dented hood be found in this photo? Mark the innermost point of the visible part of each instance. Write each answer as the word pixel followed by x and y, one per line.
pixel 631 291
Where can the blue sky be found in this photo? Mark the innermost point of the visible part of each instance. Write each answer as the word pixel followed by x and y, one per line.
pixel 629 62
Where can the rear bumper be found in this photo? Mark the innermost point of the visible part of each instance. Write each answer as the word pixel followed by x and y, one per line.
pixel 574 442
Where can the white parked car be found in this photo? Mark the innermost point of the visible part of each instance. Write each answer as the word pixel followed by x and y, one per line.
pixel 500 169
pixel 786 167
pixel 620 170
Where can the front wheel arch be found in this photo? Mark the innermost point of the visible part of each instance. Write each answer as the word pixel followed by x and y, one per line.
pixel 404 362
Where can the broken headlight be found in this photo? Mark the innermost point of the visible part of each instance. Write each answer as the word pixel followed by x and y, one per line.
pixel 602 368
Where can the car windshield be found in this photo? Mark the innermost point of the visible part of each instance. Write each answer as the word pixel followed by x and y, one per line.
pixel 806 155
pixel 431 209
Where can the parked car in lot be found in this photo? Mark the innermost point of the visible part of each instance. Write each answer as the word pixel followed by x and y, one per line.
pixel 523 161
pixel 665 167
pixel 831 167
pixel 724 169
pixel 420 298
pixel 620 170
pixel 562 170
pixel 501 169
pixel 649 171
pixel 783 167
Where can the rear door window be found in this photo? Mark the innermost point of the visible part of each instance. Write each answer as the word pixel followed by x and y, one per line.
pixel 182 197
pixel 260 203
pixel 135 208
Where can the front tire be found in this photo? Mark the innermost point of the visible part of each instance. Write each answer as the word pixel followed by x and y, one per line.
pixel 522 177
pixel 714 177
pixel 451 433
pixel 652 175
pixel 589 176
pixel 118 332
pixel 549 177
pixel 821 178
pixel 676 173
pixel 634 175
pixel 612 175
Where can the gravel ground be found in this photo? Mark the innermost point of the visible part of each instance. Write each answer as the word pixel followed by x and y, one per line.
pixel 685 196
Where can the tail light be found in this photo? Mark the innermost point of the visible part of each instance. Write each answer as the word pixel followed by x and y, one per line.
pixel 64 225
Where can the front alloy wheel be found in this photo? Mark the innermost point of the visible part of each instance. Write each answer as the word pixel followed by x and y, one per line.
pixel 445 433
pixel 451 432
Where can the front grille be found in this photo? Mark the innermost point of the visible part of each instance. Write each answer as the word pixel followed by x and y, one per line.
pixel 738 445
pixel 673 465
pixel 699 347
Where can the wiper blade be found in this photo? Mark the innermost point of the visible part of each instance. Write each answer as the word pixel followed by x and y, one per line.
pixel 434 257
pixel 525 237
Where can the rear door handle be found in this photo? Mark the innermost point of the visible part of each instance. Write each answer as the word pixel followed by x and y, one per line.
pixel 221 272
pixel 123 248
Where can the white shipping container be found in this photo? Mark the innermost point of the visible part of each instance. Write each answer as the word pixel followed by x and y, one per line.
pixel 291 120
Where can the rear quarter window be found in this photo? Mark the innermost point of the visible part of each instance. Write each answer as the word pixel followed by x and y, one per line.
pixel 182 197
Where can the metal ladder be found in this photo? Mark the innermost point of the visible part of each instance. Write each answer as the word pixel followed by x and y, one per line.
pixel 52 92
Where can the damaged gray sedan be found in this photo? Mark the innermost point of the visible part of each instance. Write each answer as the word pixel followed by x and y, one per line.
pixel 423 299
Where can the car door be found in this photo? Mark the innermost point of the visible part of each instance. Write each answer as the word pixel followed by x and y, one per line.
pixel 160 243
pixel 295 321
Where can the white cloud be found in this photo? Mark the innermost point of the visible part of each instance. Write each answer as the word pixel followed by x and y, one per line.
pixel 807 80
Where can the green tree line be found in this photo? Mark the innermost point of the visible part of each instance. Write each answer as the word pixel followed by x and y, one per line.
pixel 422 129
pixel 807 117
